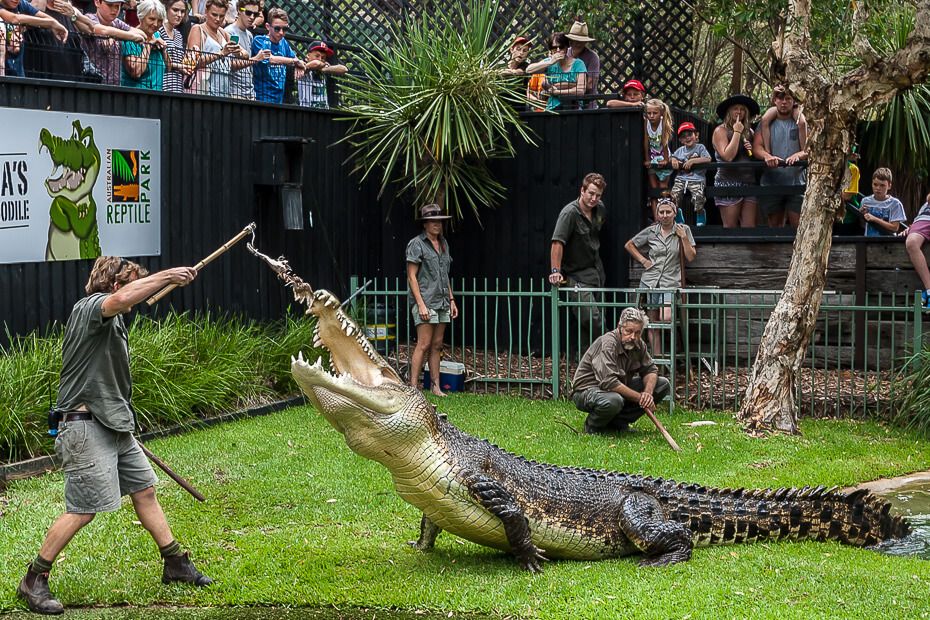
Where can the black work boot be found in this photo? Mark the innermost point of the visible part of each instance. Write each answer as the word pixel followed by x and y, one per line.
pixel 180 568
pixel 34 589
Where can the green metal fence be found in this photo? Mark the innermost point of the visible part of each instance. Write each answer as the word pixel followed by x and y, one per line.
pixel 526 337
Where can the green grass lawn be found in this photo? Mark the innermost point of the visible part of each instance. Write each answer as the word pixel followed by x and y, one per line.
pixel 294 518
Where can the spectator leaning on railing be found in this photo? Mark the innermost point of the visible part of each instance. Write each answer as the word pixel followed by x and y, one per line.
pixel 144 63
pixel 311 86
pixel 104 51
pixel 180 65
pixel 2 48
pixel 271 73
pixel 214 49
pixel 578 35
pixel 785 147
pixel 20 13
pixel 240 85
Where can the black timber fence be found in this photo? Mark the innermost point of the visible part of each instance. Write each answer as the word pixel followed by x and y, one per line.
pixel 225 161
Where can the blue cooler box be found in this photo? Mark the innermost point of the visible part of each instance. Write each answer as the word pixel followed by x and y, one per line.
pixel 451 376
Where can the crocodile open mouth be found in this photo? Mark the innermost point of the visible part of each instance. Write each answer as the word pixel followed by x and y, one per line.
pixel 349 350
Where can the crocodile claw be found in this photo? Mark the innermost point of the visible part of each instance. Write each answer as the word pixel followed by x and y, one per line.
pixel 532 561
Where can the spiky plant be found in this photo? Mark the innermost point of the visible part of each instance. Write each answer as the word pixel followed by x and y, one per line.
pixel 432 109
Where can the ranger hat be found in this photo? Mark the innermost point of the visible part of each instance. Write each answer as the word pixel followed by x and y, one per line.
pixel 738 98
pixel 432 212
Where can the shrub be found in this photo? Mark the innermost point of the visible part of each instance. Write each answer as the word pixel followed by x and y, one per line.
pixel 183 368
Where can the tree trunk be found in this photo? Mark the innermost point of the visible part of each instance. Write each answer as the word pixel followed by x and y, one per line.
pixel 769 403
pixel 736 79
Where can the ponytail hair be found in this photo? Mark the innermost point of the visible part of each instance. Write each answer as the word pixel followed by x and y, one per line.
pixel 666 119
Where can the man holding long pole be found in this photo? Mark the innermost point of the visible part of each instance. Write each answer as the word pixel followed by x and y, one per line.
pixel 100 457
pixel 617 382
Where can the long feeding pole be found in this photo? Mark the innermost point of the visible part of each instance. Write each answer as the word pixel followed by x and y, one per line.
pixel 187 486
pixel 662 430
pixel 248 230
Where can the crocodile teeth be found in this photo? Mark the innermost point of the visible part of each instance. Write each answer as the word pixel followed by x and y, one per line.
pixel 318 364
pixel 329 302
pixel 300 357
pixel 350 330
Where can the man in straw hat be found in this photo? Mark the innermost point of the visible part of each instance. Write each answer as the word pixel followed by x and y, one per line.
pixel 580 50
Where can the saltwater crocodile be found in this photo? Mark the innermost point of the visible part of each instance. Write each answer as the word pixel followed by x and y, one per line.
pixel 72 231
pixel 474 489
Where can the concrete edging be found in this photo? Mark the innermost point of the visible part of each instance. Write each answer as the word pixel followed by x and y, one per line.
pixel 43 464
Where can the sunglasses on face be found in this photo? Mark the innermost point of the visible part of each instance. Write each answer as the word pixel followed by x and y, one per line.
pixel 250 13
pixel 557 47
pixel 279 28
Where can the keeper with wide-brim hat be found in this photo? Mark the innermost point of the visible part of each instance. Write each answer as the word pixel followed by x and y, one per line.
pixel 737 99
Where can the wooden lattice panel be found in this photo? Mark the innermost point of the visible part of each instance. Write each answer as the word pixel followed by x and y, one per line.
pixel 654 46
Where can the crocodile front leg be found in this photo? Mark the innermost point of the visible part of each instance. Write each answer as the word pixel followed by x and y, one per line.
pixel 499 502
pixel 644 522
pixel 428 533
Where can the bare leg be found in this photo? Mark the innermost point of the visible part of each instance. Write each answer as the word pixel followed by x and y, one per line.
pixel 730 215
pixel 747 216
pixel 776 220
pixel 424 337
pixel 152 516
pixel 794 219
pixel 914 245
pixel 653 184
pixel 62 531
pixel 435 358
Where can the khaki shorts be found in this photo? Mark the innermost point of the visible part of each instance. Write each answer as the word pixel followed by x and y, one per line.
pixel 100 466
pixel 435 317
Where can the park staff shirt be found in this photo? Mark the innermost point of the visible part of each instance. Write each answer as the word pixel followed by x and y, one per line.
pixel 581 241
pixel 665 254
pixel 606 364
pixel 433 274
pixel 95 365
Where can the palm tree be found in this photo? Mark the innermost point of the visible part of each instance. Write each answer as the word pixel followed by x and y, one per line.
pixel 431 110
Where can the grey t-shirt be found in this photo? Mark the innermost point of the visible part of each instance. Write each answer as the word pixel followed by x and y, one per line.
pixel 580 238
pixel 240 81
pixel 785 143
pixel 95 365
pixel 433 275
pixel 665 256
pixel 683 154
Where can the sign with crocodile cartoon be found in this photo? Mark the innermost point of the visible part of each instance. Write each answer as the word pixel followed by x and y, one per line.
pixel 76 186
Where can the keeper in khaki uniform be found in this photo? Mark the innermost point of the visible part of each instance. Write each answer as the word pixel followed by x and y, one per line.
pixel 99 455
pixel 616 380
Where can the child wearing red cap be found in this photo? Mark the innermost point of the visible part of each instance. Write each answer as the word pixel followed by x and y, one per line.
pixel 311 86
pixel 633 95
pixel 687 179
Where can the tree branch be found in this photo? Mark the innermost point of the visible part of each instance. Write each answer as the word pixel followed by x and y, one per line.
pixel 879 81
pixel 860 41
pixel 697 11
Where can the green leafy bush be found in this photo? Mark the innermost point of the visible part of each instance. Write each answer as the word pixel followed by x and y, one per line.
pixel 912 394
pixel 183 368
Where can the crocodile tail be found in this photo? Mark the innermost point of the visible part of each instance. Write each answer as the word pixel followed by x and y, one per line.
pixel 722 516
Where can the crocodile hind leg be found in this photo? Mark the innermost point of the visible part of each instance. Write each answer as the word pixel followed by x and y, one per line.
pixel 497 500
pixel 428 533
pixel 662 541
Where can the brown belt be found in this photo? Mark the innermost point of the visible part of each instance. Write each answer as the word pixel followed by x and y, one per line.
pixel 75 416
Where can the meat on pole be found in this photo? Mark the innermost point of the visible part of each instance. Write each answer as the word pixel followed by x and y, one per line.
pixel 187 486
pixel 248 230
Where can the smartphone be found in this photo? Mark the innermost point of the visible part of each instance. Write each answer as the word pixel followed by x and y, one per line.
pixel 234 38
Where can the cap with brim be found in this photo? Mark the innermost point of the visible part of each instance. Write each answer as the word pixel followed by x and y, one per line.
pixel 520 41
pixel 432 212
pixel 115 1
pixel 322 47
pixel 635 84
pixel 579 32
pixel 686 126
pixel 740 99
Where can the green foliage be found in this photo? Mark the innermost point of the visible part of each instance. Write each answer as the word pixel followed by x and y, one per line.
pixel 293 518
pixel 432 110
pixel 912 394
pixel 183 367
